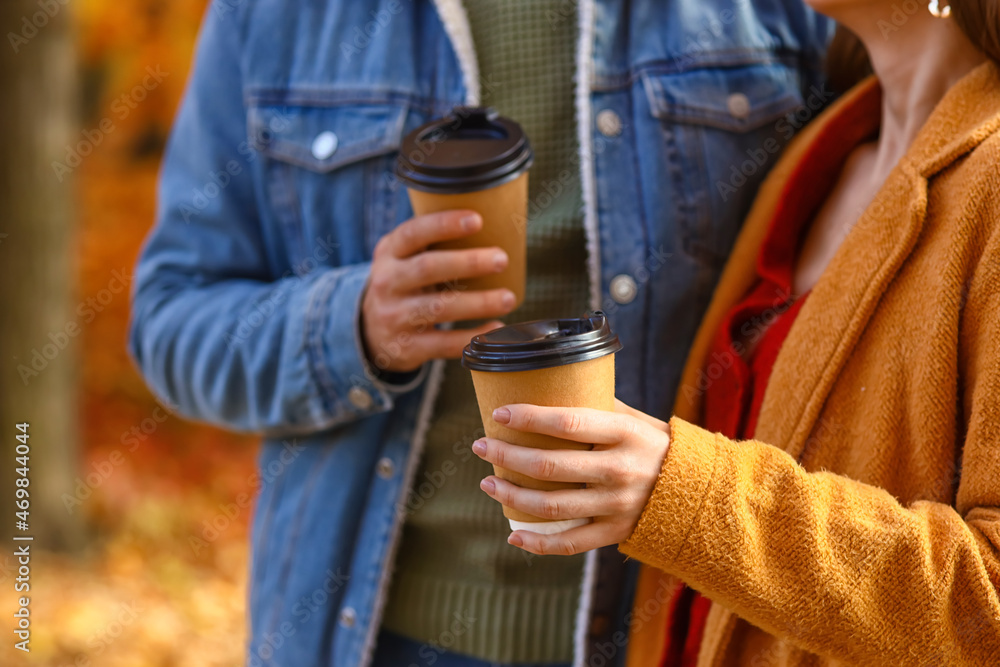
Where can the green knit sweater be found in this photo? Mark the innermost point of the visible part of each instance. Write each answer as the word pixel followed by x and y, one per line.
pixel 457 583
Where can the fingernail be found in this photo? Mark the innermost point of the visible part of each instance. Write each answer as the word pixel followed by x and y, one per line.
pixel 501 416
pixel 500 260
pixel 488 486
pixel 515 540
pixel 479 447
pixel 470 223
pixel 507 300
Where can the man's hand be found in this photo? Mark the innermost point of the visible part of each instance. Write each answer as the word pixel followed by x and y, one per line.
pixel 408 292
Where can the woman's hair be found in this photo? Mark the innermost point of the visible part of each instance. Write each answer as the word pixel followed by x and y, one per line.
pixel 847 61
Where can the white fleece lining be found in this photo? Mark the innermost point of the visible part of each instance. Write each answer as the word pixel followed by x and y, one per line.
pixel 584 71
pixel 456 24
pixel 583 611
pixel 434 381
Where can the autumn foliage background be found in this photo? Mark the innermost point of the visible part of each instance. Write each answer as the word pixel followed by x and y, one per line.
pixel 163 580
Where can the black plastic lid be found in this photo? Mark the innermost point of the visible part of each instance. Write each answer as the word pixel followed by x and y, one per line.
pixel 473 148
pixel 542 344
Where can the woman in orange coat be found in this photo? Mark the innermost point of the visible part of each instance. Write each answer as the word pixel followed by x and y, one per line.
pixel 839 500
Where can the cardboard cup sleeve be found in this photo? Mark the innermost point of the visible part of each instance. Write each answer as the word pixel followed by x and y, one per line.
pixel 586 384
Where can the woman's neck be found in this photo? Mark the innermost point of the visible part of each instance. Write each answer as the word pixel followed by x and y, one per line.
pixel 916 61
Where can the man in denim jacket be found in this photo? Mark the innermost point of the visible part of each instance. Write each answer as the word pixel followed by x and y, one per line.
pixel 258 305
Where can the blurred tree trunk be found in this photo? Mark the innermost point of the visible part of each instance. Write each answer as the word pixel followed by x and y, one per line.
pixel 37 356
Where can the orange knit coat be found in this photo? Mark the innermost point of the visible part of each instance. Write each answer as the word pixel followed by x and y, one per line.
pixel 862 526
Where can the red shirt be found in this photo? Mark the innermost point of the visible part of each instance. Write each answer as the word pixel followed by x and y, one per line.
pixel 750 337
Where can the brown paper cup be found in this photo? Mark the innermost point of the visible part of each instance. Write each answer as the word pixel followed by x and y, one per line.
pixel 586 384
pixel 504 210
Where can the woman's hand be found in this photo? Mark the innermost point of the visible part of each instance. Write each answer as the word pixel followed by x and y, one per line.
pixel 620 472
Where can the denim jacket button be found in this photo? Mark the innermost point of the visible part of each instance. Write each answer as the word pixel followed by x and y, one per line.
pixel 385 467
pixel 739 106
pixel 623 289
pixel 360 398
pixel 609 123
pixel 324 145
pixel 348 617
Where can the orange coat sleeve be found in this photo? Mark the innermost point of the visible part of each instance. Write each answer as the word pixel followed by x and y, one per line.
pixel 834 566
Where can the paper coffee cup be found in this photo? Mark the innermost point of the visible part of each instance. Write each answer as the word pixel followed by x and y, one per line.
pixel 474 159
pixel 562 363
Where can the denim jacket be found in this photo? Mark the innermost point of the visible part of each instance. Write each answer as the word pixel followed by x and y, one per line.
pixel 277 182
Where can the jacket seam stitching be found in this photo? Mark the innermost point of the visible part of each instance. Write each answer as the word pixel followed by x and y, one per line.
pixel 782 56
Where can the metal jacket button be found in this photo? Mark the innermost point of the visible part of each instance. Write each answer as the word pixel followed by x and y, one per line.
pixel 609 123
pixel 623 289
pixel 385 467
pixel 360 398
pixel 739 106
pixel 324 145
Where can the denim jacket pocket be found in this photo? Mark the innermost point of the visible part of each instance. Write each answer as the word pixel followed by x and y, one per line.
pixel 743 112
pixel 324 161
